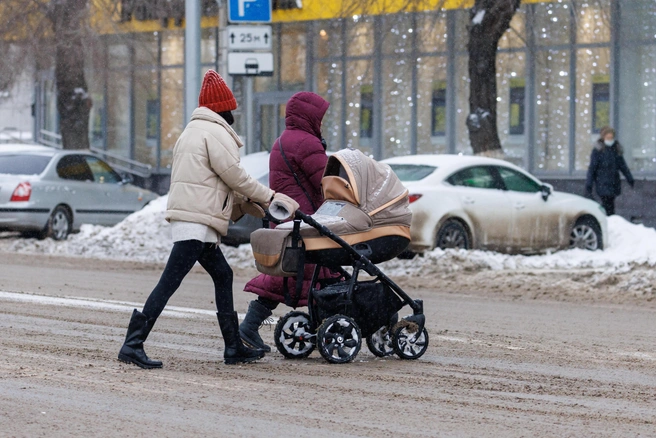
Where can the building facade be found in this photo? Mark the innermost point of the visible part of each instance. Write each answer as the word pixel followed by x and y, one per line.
pixel 398 83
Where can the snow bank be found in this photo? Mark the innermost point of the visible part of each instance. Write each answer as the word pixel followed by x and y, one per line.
pixel 629 245
pixel 143 236
pixel 146 236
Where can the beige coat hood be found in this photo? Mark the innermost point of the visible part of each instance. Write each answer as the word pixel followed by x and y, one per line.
pixel 206 173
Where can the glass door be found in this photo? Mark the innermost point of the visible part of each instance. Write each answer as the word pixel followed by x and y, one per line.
pixel 269 118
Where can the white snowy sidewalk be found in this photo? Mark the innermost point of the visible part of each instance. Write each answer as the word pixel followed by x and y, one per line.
pixel 145 236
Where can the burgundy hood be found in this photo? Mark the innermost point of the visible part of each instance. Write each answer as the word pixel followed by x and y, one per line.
pixel 305 110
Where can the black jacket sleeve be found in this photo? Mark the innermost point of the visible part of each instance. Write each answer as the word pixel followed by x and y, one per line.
pixel 621 163
pixel 592 171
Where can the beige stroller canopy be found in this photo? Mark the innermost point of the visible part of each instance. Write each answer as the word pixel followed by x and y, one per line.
pixel 364 200
pixel 365 204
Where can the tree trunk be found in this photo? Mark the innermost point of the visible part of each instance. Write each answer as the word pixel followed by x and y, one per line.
pixel 73 101
pixel 489 20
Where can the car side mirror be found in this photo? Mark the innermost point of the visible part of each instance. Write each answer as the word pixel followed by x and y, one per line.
pixel 546 190
pixel 126 178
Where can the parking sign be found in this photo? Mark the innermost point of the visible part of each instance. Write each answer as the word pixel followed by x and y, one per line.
pixel 249 11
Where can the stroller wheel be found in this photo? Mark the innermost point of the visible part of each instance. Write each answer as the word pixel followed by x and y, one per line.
pixel 339 339
pixel 407 342
pixel 380 343
pixel 293 335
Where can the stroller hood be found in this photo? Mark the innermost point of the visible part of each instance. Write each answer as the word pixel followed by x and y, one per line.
pixel 369 185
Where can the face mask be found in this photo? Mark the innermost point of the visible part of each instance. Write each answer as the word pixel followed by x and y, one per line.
pixel 609 142
pixel 323 143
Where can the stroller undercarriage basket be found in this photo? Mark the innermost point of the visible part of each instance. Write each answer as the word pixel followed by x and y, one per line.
pixel 371 304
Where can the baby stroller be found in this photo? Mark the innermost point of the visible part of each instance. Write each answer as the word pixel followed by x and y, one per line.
pixel 364 220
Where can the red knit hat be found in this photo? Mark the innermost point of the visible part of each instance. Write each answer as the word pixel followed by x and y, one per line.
pixel 215 94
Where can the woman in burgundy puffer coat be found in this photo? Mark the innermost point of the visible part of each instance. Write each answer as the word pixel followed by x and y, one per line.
pixel 305 153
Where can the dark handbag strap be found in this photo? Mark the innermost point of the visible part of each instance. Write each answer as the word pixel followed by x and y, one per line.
pixel 298 181
pixel 300 268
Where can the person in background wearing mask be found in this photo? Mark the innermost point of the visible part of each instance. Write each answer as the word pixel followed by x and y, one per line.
pixel 206 180
pixel 296 165
pixel 606 163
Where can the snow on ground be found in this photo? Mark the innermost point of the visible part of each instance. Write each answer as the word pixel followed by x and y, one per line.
pixel 630 245
pixel 146 236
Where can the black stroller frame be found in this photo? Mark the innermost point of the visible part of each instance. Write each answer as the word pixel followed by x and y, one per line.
pixel 343 310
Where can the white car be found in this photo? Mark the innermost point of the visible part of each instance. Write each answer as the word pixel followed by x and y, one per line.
pixel 483 203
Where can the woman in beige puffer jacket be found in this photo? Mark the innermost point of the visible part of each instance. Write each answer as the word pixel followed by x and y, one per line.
pixel 206 179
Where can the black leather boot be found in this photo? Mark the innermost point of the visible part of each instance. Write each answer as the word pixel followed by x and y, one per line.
pixel 132 350
pixel 256 315
pixel 235 351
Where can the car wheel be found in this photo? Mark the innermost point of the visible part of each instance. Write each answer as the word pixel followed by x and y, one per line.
pixel 586 234
pixel 452 235
pixel 59 224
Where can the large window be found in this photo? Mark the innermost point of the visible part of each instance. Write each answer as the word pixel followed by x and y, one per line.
pixel 293 57
pixel 359 124
pixel 592 101
pixel 637 93
pixel 517 108
pixel 431 105
pixel 600 104
pixel 329 86
pixel 367 112
pixel 438 109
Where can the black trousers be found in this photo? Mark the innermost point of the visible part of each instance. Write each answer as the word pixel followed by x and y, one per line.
pixel 183 257
pixel 608 202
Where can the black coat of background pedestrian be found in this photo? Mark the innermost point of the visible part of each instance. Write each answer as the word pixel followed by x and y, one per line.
pixel 606 163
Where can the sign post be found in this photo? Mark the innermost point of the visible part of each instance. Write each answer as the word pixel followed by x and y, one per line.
pixel 249 51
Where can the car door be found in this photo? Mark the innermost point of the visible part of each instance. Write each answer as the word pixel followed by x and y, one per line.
pixel 77 188
pixel 535 221
pixel 486 204
pixel 117 200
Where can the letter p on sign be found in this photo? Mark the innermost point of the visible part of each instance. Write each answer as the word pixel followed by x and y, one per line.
pixel 242 6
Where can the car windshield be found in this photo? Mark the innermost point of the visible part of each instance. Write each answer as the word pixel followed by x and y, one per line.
pixel 412 172
pixel 23 164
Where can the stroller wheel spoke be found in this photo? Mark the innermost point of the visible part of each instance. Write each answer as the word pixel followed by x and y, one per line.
pixel 350 343
pixel 342 354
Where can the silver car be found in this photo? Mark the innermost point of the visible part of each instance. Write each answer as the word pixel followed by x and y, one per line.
pixel 50 192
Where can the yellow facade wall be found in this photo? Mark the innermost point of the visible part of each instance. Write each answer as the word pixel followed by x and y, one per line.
pixel 323 10
pixel 106 23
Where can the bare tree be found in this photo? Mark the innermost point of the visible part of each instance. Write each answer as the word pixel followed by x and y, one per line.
pixel 57 33
pixel 489 20
pixel 69 19
pixel 52 30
